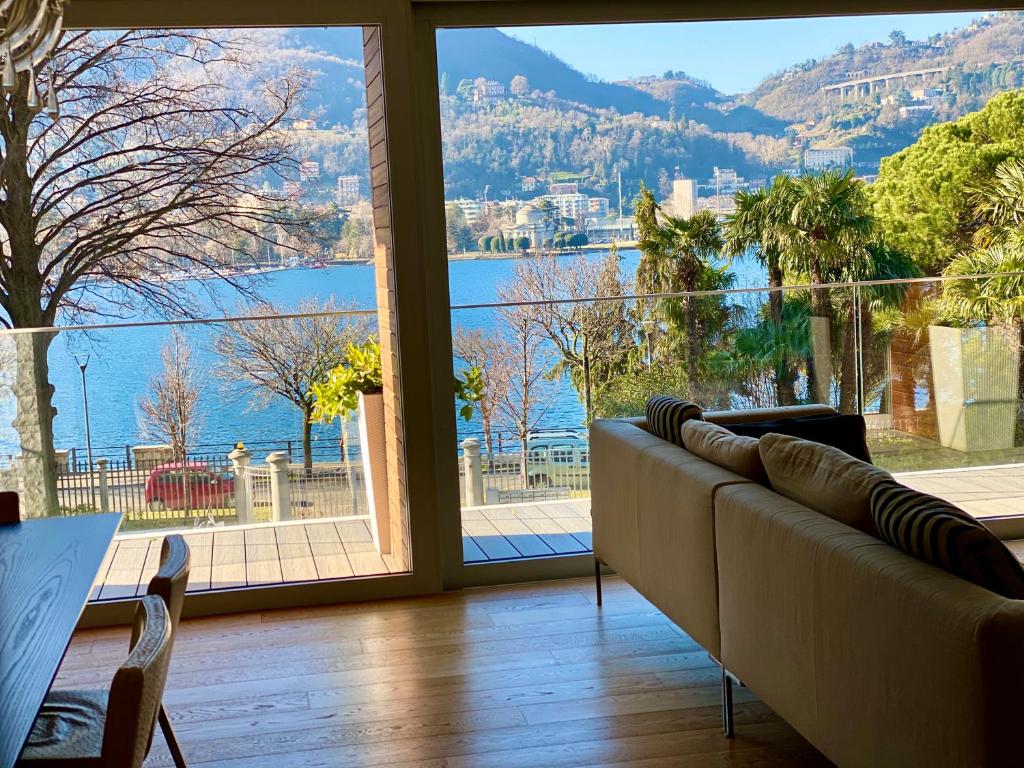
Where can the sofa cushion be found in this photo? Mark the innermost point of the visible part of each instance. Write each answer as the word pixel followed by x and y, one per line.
pixel 666 416
pixel 823 478
pixel 848 433
pixel 724 448
pixel 942 534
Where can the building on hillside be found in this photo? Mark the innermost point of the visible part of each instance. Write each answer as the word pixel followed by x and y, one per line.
pixel 346 194
pixel 916 109
pixel 725 180
pixel 532 224
pixel 597 208
pixel 292 190
pixel 824 158
pixel 473 210
pixel 487 90
pixel 573 206
pixel 684 198
pixel 309 170
pixel 530 183
pixel 563 188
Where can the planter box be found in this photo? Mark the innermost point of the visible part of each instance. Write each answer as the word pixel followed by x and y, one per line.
pixel 975 373
pixel 375 469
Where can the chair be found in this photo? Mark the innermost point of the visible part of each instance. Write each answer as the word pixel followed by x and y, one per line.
pixel 101 729
pixel 9 511
pixel 169 584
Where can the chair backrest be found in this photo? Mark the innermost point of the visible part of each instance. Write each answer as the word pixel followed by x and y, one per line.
pixel 171 578
pixel 9 510
pixel 138 688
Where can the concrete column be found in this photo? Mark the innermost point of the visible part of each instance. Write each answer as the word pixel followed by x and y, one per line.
pixel 280 493
pixel 104 487
pixel 240 459
pixel 474 472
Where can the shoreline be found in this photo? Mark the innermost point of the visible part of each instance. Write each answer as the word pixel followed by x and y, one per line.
pixel 488 256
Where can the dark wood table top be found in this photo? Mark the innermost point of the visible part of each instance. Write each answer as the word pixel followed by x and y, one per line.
pixel 47 569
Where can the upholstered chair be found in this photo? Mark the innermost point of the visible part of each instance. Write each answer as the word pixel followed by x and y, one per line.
pixel 108 729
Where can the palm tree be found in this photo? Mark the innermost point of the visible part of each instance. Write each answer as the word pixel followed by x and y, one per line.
pixel 680 253
pixel 1000 203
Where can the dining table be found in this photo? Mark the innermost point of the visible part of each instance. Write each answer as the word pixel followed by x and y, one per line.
pixel 47 570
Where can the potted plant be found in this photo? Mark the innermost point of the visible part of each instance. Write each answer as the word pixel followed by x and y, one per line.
pixel 357 385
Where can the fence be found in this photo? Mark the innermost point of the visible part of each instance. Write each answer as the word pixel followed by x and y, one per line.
pixel 551 473
pixel 211 490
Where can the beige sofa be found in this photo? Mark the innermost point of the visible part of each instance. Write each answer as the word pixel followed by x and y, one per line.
pixel 875 657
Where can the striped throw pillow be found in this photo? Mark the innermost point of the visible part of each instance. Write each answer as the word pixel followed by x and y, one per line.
pixel 939 533
pixel 666 416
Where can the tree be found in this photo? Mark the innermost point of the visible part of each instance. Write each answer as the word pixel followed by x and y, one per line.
pixel 464 90
pixel 151 160
pixel 923 198
pixel 480 351
pixel 285 356
pixel 999 203
pixel 594 338
pixel 686 248
pixel 460 236
pixel 171 413
pixel 519 86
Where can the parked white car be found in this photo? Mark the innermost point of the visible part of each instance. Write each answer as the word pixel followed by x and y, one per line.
pixel 557 458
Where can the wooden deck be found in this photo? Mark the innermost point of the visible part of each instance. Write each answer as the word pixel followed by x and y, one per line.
pixel 254 555
pixel 981 491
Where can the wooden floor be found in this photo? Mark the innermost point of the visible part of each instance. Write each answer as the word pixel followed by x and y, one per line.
pixel 530 676
pixel 253 555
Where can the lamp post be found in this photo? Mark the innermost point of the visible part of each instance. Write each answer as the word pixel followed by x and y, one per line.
pixel 83 361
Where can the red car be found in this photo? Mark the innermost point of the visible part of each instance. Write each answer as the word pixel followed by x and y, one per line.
pixel 192 485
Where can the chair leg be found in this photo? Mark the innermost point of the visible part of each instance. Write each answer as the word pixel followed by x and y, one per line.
pixel 597 579
pixel 170 738
pixel 728 726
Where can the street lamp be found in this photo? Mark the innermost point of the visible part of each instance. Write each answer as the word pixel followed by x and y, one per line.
pixel 82 359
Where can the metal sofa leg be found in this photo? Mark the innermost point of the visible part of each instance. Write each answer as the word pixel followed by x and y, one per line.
pixel 170 738
pixel 728 725
pixel 597 578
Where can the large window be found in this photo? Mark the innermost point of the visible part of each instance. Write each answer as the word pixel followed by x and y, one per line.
pixel 212 348
pixel 786 211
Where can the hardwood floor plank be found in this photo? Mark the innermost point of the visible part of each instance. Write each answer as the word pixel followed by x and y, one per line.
pixel 524 675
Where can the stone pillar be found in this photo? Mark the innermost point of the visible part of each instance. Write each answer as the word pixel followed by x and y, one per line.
pixel 240 459
pixel 474 472
pixel 280 493
pixel 104 487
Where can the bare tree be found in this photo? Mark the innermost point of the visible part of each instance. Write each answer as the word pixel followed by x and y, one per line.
pixel 171 412
pixel 520 367
pixel 480 350
pixel 155 157
pixel 595 338
pixel 286 356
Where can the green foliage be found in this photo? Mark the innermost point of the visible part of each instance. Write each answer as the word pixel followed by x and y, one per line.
pixel 925 195
pixel 987 299
pixel 338 396
pixel 470 389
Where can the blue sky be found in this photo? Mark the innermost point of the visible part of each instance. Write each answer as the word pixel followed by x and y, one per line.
pixel 732 55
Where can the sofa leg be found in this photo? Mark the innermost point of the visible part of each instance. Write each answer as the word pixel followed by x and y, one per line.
pixel 728 726
pixel 597 579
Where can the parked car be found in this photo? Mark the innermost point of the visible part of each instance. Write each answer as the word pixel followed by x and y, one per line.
pixel 557 458
pixel 192 485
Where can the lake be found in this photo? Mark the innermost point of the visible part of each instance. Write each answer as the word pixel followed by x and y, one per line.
pixel 123 361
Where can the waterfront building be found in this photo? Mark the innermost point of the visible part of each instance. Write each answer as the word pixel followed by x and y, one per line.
pixel 684 197
pixel 824 158
pixel 473 210
pixel 573 206
pixel 531 223
pixel 597 207
pixel 346 193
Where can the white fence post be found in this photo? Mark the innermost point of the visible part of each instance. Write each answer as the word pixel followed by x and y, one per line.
pixel 474 472
pixel 240 468
pixel 280 493
pixel 104 486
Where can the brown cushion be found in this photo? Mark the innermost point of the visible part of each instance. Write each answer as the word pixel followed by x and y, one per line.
pixel 823 478
pixel 944 535
pixel 720 446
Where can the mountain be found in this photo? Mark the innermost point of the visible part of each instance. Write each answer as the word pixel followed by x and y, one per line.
pixel 466 54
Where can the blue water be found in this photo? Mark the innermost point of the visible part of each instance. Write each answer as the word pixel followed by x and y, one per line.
pixel 123 361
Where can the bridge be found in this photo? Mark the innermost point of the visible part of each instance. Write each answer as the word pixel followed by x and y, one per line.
pixel 864 86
